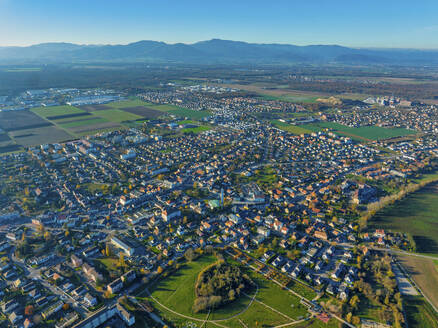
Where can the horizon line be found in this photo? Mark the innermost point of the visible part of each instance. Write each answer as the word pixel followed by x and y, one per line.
pixel 194 42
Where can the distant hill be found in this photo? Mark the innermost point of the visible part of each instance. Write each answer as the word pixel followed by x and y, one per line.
pixel 214 51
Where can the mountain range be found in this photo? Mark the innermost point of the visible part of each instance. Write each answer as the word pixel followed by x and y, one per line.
pixel 214 51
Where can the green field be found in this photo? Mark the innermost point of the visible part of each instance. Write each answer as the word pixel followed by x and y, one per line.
pixel 128 103
pixel 170 109
pixel 272 305
pixel 75 124
pixel 290 127
pixel 56 111
pixel 181 111
pixel 198 129
pixel 360 133
pixel 419 313
pixel 116 115
pixel 291 98
pixel 416 214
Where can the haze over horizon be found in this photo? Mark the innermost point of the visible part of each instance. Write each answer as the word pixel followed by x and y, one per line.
pixel 374 24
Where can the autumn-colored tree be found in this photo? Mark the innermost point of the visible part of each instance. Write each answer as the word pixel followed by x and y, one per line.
pixel 122 260
pixel 159 270
pixel 66 306
pixel 107 250
pixel 28 310
pixel 47 235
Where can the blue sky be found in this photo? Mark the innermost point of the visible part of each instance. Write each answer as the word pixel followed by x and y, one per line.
pixel 357 23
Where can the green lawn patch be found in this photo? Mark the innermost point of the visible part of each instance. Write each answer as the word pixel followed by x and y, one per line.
pixel 111 264
pixel 177 292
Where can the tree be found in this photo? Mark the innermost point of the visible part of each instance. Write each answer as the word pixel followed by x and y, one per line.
pixel 47 235
pixel 159 270
pixel 354 302
pixel 122 260
pixel 355 320
pixel 66 306
pixel 28 310
pixel 190 255
pixel 107 250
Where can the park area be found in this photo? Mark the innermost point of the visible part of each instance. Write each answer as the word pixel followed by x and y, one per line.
pixel 265 305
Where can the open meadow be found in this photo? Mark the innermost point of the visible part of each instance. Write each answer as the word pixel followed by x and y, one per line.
pixel 416 214
pixel 265 305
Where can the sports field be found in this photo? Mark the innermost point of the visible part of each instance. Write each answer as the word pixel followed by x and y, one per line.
pixel 267 305
pixel 416 214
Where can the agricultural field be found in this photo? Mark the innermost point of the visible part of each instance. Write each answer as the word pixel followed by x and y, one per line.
pixel 294 129
pixel 18 120
pixel 54 111
pixel 83 122
pixel 144 112
pixel 117 115
pixel 364 133
pixel 419 313
pixel 38 136
pixel 181 112
pixel 61 123
pixel 416 214
pixel 127 104
pixel 295 98
pixel 425 274
pixel 198 129
pixel 271 305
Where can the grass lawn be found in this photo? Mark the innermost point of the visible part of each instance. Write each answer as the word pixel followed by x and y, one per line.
pixel 96 187
pixel 177 292
pixel 56 111
pixel 110 263
pixel 116 115
pixel 198 129
pixel 416 214
pixel 290 127
pixel 362 133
